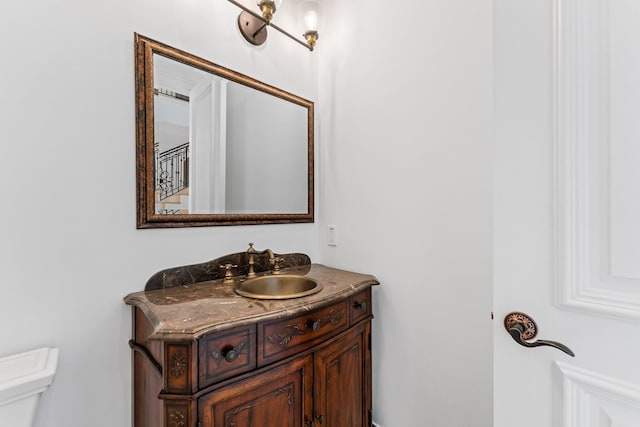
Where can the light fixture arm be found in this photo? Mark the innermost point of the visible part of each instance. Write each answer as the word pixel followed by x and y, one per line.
pixel 268 24
pixel 256 32
pixel 291 37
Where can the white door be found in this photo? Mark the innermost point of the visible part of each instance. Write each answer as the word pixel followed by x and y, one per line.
pixel 567 211
pixel 208 145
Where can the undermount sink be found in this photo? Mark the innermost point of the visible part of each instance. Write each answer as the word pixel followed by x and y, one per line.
pixel 282 286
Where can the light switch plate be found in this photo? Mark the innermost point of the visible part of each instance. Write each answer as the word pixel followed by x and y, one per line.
pixel 331 235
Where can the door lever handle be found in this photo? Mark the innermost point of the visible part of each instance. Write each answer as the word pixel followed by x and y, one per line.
pixel 521 327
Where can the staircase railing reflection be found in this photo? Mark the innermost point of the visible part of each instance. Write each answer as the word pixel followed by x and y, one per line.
pixel 172 170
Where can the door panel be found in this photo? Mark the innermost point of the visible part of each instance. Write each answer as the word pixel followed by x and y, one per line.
pixel 594 400
pixel 567 210
pixel 597 154
pixel 280 397
pixel 339 381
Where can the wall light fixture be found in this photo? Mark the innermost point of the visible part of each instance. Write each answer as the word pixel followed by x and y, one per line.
pixel 253 26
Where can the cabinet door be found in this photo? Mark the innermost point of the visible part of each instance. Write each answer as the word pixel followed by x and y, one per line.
pixel 279 397
pixel 342 380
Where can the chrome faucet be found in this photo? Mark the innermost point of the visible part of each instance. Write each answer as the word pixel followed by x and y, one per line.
pixel 251 251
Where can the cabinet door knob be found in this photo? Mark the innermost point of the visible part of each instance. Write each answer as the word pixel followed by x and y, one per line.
pixel 360 305
pixel 320 418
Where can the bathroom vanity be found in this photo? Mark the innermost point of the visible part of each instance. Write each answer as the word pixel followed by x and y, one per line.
pixel 206 356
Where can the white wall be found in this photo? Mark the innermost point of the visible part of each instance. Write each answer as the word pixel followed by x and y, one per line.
pixel 405 95
pixel 254 153
pixel 69 250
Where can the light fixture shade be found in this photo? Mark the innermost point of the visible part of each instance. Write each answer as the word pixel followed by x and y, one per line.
pixel 309 15
pixel 311 20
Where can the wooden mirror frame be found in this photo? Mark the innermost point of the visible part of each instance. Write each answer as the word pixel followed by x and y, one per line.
pixel 146 216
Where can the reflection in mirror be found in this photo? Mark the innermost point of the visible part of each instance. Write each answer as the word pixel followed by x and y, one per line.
pixel 216 147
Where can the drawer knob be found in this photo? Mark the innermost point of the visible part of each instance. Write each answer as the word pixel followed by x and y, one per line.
pixel 230 355
pixel 360 305
pixel 315 325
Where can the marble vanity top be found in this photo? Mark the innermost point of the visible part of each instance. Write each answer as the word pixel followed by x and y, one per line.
pixel 190 311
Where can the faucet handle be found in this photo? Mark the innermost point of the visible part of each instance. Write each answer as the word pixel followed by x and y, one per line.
pixel 276 264
pixel 228 277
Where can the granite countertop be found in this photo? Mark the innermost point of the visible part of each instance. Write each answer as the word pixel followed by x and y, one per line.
pixel 190 311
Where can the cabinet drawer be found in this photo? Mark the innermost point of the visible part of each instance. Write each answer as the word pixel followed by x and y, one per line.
pixel 226 354
pixel 360 306
pixel 282 338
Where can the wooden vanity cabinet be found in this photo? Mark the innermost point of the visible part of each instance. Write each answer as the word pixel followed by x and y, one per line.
pixel 308 369
pixel 329 386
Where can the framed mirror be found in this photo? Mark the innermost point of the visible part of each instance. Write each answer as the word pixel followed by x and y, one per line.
pixel 217 147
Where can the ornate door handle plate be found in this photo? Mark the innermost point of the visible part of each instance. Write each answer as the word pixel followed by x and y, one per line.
pixel 522 327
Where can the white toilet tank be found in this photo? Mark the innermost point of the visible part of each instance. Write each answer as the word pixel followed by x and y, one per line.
pixel 23 378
